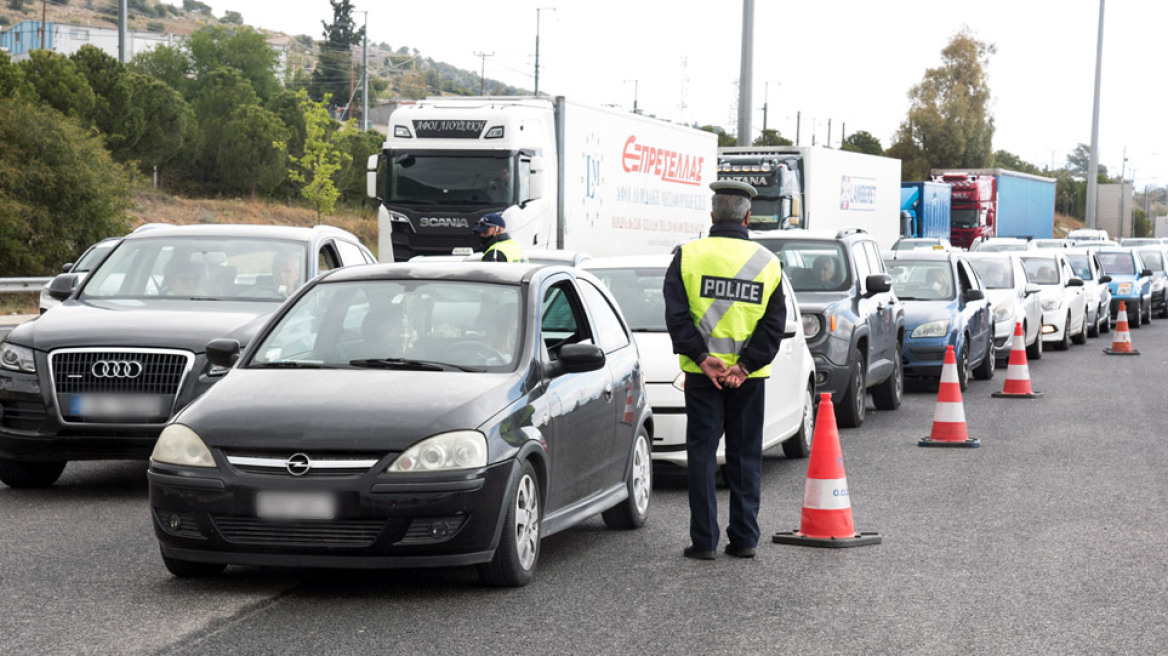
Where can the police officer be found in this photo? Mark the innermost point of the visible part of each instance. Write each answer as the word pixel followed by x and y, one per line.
pixel 499 246
pixel 725 311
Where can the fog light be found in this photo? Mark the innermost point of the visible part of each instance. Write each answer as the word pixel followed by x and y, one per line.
pixel 1048 329
pixel 174 522
pixel 439 530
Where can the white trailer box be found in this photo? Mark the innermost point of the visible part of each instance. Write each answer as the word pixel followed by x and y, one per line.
pixel 820 188
pixel 581 178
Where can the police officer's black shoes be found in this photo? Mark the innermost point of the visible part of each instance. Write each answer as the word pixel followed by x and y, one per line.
pixel 739 552
pixel 698 554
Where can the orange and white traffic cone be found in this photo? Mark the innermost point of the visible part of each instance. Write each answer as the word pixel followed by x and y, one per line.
pixel 1121 344
pixel 827 506
pixel 627 416
pixel 1018 372
pixel 949 416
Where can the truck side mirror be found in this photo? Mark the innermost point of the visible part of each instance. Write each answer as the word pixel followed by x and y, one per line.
pixel 371 166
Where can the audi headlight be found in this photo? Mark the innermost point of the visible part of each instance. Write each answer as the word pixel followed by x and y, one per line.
pixel 446 452
pixel 179 445
pixel 1124 289
pixel 1052 304
pixel 812 326
pixel 1003 311
pixel 932 329
pixel 16 358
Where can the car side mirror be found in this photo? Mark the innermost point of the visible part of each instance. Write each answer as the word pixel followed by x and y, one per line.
pixel 67 267
pixel 580 358
pixel 878 283
pixel 1031 288
pixel 222 351
pixel 62 286
pixel 1075 282
pixel 1105 279
pixel 1146 273
pixel 973 295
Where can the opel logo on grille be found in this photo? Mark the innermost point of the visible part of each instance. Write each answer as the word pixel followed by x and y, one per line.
pixel 116 369
pixel 298 464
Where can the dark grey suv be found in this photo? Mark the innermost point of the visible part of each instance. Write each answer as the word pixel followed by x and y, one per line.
pixel 853 321
pixel 99 375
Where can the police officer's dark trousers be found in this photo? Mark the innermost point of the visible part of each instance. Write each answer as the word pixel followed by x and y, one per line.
pixel 739 412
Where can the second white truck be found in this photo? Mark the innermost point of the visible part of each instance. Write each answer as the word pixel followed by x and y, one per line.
pixel 563 175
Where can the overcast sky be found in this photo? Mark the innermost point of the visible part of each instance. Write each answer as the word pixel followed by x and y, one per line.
pixel 848 61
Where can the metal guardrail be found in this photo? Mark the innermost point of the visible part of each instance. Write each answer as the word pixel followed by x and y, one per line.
pixel 17 285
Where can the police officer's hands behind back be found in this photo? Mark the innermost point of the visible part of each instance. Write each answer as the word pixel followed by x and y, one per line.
pixel 715 369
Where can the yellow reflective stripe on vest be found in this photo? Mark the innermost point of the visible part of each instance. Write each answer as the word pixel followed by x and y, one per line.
pixel 509 248
pixel 729 283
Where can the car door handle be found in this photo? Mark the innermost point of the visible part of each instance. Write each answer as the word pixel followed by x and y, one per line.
pixel 608 392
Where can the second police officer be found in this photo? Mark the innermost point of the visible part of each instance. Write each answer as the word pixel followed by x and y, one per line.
pixel 725 311
pixel 498 245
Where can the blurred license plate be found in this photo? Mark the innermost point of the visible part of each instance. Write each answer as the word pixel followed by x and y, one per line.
pixel 296 505
pixel 117 405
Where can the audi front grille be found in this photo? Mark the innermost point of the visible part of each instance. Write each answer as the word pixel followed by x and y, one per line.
pixel 118 386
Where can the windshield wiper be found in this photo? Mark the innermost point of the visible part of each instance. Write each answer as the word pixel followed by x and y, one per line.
pixel 405 363
pixel 287 364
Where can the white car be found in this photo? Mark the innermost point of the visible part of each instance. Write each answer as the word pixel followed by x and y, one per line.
pixel 1064 299
pixel 1013 299
pixel 1088 267
pixel 88 261
pixel 636 283
pixel 1000 245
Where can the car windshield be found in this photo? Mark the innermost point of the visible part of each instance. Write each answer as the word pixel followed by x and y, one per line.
pixel 963 218
pixel 1081 266
pixel 915 244
pixel 996 274
pixel 812 266
pixel 1117 263
pixel 202 268
pixel 1042 243
pixel 638 292
pixel 452 180
pixel 93 256
pixel 1041 270
pixel 1152 260
pixel 429 325
pixel 921 281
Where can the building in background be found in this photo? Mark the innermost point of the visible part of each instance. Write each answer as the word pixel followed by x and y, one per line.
pixel 1113 209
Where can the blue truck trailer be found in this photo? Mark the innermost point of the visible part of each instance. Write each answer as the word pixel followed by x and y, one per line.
pixel 924 207
pixel 998 203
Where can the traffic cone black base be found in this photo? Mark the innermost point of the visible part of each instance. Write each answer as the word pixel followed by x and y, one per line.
pixel 1131 352
pixel 973 443
pixel 1003 395
pixel 862 539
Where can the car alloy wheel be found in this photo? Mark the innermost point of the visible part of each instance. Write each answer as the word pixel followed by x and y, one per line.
pixel 632 512
pixel 526 524
pixel 963 366
pixel 799 445
pixel 514 561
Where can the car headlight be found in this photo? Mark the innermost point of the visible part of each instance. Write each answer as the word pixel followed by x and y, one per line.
pixel 465 449
pixel 179 445
pixel 1124 289
pixel 1003 311
pixel 1052 304
pixel 932 329
pixel 812 326
pixel 16 358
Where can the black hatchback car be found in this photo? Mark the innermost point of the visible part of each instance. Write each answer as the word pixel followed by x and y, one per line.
pixel 411 415
pixel 99 375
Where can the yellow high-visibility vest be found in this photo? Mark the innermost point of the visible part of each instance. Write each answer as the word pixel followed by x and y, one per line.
pixel 509 248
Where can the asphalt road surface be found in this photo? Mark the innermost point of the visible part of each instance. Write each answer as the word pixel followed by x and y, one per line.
pixel 1049 539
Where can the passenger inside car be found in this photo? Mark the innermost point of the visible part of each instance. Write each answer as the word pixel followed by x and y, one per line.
pixel 183 278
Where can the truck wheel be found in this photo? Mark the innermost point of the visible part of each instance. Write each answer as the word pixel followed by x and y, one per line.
pixel 1034 351
pixel 887 395
pixel 849 412
pixel 22 474
pixel 985 370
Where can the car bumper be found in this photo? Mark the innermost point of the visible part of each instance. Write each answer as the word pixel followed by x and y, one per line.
pixel 380 521
pixel 1054 323
pixel 1004 338
pixel 924 356
pixel 1131 302
pixel 668 406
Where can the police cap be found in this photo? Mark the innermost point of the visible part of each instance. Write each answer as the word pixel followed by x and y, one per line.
pixel 733 187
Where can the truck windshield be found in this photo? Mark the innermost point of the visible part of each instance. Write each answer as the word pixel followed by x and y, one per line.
pixel 452 179
pixel 764 213
pixel 964 218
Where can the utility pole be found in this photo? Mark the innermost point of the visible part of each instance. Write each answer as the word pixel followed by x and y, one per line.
pixel 746 74
pixel 537 10
pixel 843 134
pixel 636 85
pixel 365 74
pixel 122 36
pixel 1093 167
pixel 766 90
pixel 483 71
pixel 829 133
pixel 798 126
pixel 44 6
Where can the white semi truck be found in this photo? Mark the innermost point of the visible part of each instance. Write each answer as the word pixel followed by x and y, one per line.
pixel 563 175
pixel 818 189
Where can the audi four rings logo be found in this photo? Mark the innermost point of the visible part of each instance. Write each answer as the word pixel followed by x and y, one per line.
pixel 116 369
pixel 298 464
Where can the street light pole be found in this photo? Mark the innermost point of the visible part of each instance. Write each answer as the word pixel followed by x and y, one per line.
pixel 746 73
pixel 1093 166
pixel 365 74
pixel 537 10
pixel 483 71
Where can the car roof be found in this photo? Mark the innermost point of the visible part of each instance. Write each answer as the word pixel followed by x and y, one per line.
pixel 922 255
pixel 629 262
pixel 505 273
pixel 820 235
pixel 239 230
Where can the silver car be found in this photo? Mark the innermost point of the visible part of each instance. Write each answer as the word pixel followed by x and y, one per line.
pixel 1013 300
pixel 1087 266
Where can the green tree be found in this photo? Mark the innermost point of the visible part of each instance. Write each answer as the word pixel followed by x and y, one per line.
pixel 772 138
pixel 948 117
pixel 221 92
pixel 252 156
pixel 12 82
pixel 59 84
pixel 170 64
pixel 358 146
pixel 114 112
pixel 914 164
pixel 1079 163
pixel 1004 159
pixel 1142 226
pixel 862 142
pixel 321 159
pixel 241 48
pixel 168 122
pixel 59 189
pixel 233 17
pixel 724 140
pixel 333 73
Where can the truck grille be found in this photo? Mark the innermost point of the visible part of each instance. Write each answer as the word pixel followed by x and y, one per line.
pixel 337 533
pixel 149 371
